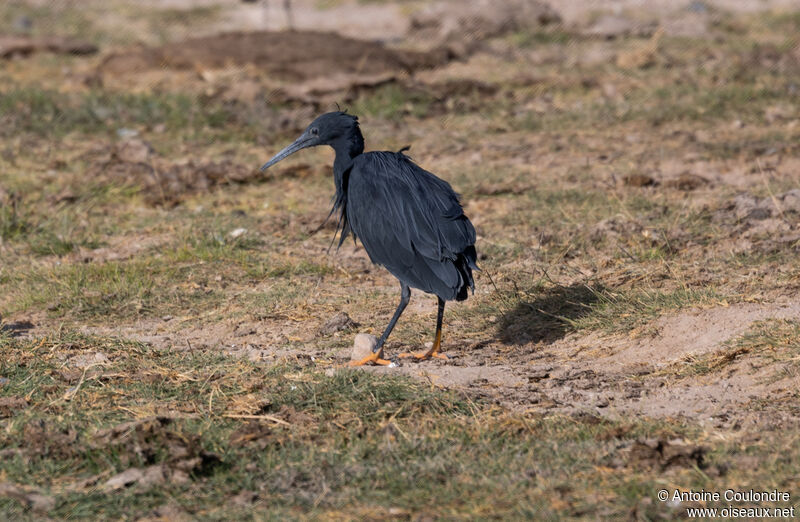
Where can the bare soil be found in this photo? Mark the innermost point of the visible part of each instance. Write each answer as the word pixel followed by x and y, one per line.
pixel 632 170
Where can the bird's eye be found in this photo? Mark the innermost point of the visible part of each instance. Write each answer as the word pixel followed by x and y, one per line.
pixel 315 131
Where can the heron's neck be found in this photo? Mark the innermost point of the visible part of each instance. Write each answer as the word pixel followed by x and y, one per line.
pixel 346 148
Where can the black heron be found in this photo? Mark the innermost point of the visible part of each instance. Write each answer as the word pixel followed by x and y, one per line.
pixel 408 220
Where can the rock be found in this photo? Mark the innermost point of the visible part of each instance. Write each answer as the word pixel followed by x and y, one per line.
pixel 613 26
pixel 148 476
pixel 126 134
pixel 133 151
pixel 790 201
pixel 127 477
pixel 340 321
pixel 238 232
pixel 750 208
pixel 686 182
pixel 88 359
pixel 363 345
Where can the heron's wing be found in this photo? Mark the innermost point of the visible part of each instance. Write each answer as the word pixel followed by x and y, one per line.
pixel 406 217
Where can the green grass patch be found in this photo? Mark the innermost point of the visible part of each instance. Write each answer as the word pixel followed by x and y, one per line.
pixel 392 102
pixel 657 103
pixel 555 35
pixel 12 224
pixel 40 112
pixel 115 289
pixel 52 233
pixel 624 311
pixel 227 438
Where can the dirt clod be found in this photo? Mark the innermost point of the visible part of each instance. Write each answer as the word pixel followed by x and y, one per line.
pixel 290 55
pixel 133 151
pixel 163 183
pixel 615 228
pixel 41 438
pixel 10 405
pixel 245 498
pixel 686 182
pixel 665 454
pixel 22 46
pixel 339 322
pixel 168 454
pixel 253 433
pixel 639 180
pixel 29 497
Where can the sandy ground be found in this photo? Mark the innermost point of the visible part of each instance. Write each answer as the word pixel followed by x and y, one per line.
pixel 612 374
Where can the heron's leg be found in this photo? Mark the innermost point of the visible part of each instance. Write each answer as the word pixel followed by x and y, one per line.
pixel 377 353
pixel 437 343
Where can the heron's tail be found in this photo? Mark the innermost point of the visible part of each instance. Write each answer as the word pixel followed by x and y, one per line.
pixel 465 263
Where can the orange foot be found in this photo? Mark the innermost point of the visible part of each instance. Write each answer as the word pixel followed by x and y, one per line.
pixel 425 356
pixel 374 358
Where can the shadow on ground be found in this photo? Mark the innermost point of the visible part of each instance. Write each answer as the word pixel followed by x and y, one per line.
pixel 16 329
pixel 546 318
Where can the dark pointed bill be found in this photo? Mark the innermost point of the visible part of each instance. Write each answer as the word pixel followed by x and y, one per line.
pixel 300 143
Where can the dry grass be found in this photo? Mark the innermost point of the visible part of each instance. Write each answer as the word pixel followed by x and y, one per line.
pixel 222 437
pixel 604 195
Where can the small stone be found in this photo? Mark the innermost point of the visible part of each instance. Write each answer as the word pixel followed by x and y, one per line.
pixel 23 24
pixel 363 346
pixel 88 359
pixel 127 477
pixel 239 232
pixel 133 150
pixel 791 201
pixel 127 133
pixel 339 322
pixel 243 330
pixel 612 26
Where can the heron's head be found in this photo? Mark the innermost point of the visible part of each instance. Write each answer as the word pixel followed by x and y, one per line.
pixel 329 129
